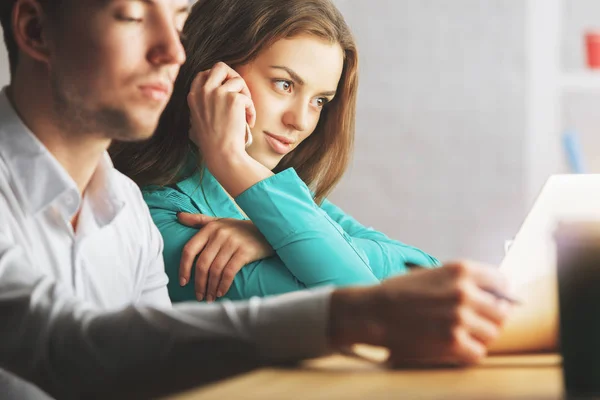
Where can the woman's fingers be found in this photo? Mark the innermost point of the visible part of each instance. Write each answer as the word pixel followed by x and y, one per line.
pixel 220 74
pixel 234 265
pixel 205 260
pixel 195 220
pixel 215 272
pixel 191 249
pixel 237 87
pixel 222 247
pixel 217 99
pixel 199 82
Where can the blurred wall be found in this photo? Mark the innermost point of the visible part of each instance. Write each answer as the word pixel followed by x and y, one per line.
pixel 440 155
pixel 581 109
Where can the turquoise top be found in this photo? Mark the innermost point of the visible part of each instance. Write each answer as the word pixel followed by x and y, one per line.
pixel 314 245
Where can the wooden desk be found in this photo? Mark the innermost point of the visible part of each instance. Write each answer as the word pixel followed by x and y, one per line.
pixel 343 377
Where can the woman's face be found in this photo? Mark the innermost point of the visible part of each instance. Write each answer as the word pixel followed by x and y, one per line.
pixel 290 82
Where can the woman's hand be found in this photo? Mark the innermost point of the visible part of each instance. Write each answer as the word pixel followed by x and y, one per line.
pixel 223 247
pixel 220 106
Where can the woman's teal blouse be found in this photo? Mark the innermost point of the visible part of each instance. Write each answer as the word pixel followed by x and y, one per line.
pixel 314 245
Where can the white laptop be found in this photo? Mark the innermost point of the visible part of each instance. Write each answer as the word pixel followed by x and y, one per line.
pixel 532 255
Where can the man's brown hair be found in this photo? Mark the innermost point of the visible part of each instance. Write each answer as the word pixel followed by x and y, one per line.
pixel 235 32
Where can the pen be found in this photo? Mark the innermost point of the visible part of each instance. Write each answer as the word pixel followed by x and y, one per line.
pixel 496 294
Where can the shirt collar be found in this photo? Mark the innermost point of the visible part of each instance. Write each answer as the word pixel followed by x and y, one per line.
pixel 104 194
pixel 40 180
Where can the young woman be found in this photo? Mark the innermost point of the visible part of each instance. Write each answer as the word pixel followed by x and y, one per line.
pixel 267 227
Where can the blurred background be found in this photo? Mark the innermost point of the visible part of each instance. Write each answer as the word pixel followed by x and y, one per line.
pixel 462 110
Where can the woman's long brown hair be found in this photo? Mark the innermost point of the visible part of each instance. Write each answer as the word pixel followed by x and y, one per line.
pixel 235 32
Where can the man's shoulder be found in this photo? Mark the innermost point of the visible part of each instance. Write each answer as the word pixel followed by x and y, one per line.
pixel 125 184
pixel 130 193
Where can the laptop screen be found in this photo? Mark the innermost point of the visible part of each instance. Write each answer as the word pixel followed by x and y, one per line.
pixel 563 197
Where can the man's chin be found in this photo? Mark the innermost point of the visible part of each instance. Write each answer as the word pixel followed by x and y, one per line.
pixel 136 133
pixel 134 136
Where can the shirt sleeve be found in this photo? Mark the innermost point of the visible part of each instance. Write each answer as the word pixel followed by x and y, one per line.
pixel 312 246
pixel 386 257
pixel 264 277
pixel 72 350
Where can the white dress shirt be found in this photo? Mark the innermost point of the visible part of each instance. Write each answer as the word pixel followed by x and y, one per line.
pixel 115 257
pixel 87 312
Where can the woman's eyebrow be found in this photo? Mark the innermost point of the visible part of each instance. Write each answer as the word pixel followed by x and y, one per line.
pixel 291 73
pixel 299 79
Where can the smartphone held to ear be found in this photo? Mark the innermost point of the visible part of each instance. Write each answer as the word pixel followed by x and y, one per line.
pixel 248 136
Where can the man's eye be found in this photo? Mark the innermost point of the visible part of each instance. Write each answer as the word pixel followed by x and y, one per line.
pixel 125 18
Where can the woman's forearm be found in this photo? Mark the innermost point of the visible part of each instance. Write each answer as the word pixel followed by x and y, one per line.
pixel 311 245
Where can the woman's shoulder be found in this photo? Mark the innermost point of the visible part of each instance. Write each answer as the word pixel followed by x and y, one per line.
pixel 157 192
pixel 169 198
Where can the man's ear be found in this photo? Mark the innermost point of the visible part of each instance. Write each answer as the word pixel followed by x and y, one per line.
pixel 30 29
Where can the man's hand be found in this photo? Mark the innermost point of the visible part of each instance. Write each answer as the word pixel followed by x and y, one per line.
pixel 443 316
pixel 223 247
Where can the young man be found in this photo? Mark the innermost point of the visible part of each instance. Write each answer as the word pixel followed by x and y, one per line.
pixel 83 303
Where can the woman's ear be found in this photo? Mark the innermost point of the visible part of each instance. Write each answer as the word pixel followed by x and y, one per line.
pixel 29 29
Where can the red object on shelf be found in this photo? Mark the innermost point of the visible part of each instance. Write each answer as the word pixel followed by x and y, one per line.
pixel 592 41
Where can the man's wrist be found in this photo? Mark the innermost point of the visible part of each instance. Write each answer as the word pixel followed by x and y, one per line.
pixel 351 316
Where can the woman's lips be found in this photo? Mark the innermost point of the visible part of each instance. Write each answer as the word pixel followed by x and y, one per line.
pixel 156 92
pixel 279 144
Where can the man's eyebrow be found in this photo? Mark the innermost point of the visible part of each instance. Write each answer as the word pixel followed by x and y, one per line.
pixel 299 80
pixel 181 10
pixel 185 9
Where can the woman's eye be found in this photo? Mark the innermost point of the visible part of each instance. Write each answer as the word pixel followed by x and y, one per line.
pixel 320 102
pixel 283 85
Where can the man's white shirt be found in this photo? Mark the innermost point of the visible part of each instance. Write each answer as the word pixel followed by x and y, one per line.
pixel 114 259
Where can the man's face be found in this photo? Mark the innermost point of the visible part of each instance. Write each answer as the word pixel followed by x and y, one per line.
pixel 113 63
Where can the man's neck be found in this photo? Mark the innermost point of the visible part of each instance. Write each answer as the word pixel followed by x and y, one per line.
pixel 79 155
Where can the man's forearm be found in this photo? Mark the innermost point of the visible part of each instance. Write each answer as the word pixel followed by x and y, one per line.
pixel 72 350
